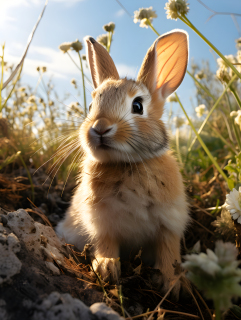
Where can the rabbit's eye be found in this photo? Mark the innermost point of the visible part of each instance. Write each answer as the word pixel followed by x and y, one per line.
pixel 137 106
pixel 90 106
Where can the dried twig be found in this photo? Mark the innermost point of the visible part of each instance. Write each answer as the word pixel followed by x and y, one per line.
pixel 212 233
pixel 163 299
pixel 167 311
pixel 203 301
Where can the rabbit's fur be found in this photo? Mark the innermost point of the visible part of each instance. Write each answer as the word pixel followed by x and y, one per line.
pixel 131 192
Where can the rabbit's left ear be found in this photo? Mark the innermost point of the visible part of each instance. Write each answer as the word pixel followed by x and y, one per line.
pixel 102 66
pixel 165 63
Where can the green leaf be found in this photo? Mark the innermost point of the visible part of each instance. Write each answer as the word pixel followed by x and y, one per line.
pixel 231 168
pixel 230 184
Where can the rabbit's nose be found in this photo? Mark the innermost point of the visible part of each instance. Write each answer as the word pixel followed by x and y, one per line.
pixel 102 126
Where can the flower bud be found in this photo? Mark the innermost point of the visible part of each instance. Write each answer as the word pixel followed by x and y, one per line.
pixel 65 46
pixel 103 39
pixel 110 27
pixel 77 45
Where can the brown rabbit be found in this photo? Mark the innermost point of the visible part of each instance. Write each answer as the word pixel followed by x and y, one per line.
pixel 131 192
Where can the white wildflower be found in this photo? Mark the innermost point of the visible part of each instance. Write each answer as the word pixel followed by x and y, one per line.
pixel 76 45
pixel 172 98
pixel 31 99
pixel 233 114
pixel 144 15
pixel 103 39
pixel 238 42
pixel 224 223
pixel 65 46
pixel 233 204
pixel 74 83
pixel 200 75
pixel 216 273
pixel 21 89
pixel 110 27
pixel 196 248
pixel 206 262
pixel 174 8
pixel 74 106
pixel 179 121
pixel 237 115
pixel 223 75
pixel 222 64
pixel 47 121
pixel 200 110
pixel 239 56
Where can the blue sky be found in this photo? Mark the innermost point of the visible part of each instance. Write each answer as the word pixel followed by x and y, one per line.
pixel 67 20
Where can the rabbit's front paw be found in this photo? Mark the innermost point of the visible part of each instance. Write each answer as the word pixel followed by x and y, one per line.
pixel 108 268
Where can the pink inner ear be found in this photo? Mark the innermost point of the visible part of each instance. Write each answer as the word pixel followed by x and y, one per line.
pixel 171 55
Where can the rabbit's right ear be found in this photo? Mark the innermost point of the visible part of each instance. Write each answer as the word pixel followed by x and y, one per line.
pixel 101 64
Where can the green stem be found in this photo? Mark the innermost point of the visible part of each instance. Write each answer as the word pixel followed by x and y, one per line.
pixel 236 96
pixel 39 80
pixel 109 41
pixel 202 143
pixel 151 26
pixel 234 125
pixel 178 146
pixel 73 61
pixel 121 301
pixel 201 86
pixel 47 93
pixel 189 24
pixel 211 111
pixel 218 315
pixel 78 67
pixel 83 83
pixel 223 139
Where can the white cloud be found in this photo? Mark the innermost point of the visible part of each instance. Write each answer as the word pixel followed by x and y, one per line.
pixel 57 63
pixel 120 13
pixel 127 71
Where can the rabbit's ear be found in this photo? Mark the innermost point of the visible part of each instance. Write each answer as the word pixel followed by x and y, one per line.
pixel 101 64
pixel 165 63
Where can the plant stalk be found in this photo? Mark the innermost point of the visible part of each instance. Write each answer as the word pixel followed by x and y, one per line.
pixel 83 83
pixel 201 86
pixel 211 111
pixel 203 144
pixel 236 96
pixel 184 19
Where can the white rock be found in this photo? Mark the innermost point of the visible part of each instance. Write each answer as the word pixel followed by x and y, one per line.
pixel 62 307
pixel 39 239
pixel 52 267
pixel 9 262
pixel 103 312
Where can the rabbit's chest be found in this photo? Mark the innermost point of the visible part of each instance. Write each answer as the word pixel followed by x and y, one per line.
pixel 131 207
